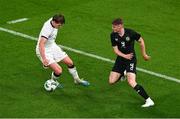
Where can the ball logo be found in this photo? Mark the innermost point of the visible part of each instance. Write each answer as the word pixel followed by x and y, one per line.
pixel 127 38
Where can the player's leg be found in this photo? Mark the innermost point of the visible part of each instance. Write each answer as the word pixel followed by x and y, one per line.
pixel 56 73
pixel 114 77
pixel 57 70
pixel 117 71
pixel 131 77
pixel 73 71
pixel 60 55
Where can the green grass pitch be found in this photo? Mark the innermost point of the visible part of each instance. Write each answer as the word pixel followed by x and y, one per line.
pixel 87 28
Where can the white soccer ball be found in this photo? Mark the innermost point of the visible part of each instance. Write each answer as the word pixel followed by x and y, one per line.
pixel 50 85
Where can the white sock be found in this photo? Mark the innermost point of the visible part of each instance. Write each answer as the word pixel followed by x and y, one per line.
pixel 53 77
pixel 125 73
pixel 74 73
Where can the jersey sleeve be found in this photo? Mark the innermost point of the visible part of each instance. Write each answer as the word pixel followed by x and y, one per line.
pixel 113 41
pixel 45 32
pixel 136 36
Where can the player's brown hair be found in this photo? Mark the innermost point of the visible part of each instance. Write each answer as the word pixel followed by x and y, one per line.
pixel 59 18
pixel 117 21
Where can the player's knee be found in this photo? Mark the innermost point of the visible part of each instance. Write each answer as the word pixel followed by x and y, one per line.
pixel 58 71
pixel 132 82
pixel 111 81
pixel 68 62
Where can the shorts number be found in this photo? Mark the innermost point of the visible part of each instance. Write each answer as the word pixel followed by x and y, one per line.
pixel 131 66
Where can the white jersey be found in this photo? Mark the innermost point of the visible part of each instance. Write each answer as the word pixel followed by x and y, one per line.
pixel 52 51
pixel 50 33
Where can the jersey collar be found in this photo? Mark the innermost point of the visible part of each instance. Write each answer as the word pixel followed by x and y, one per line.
pixel 123 30
pixel 51 24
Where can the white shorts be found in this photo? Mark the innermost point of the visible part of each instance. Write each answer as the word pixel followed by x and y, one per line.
pixel 53 54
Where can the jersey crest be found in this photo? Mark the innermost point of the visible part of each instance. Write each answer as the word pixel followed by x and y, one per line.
pixel 127 38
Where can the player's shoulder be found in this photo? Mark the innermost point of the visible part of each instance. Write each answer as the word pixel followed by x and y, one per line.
pixel 133 34
pixel 47 24
pixel 129 30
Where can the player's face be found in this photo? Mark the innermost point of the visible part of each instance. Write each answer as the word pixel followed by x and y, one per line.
pixel 117 28
pixel 57 25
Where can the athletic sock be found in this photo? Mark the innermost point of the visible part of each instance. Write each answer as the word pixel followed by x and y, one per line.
pixel 73 72
pixel 140 90
pixel 55 76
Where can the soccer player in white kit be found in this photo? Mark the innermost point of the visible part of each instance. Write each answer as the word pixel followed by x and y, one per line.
pixel 51 54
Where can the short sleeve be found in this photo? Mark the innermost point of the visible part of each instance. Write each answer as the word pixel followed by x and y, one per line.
pixel 113 41
pixel 46 31
pixel 136 36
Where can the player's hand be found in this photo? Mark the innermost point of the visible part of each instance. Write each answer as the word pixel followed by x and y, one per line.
pixel 129 56
pixel 45 62
pixel 146 57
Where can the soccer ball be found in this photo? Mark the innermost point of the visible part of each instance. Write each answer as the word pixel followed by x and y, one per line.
pixel 50 85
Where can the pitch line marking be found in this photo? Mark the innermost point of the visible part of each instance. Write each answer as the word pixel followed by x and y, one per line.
pixel 17 20
pixel 92 55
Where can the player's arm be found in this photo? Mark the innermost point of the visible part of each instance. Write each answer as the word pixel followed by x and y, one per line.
pixel 42 50
pixel 119 53
pixel 143 49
